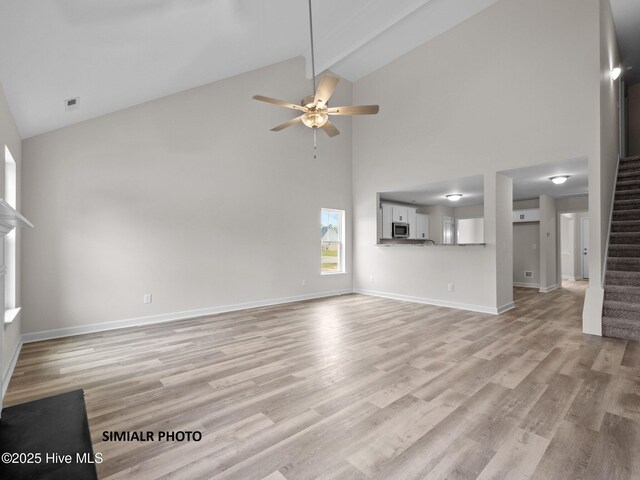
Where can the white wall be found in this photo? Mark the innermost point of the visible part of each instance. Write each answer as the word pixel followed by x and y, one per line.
pixel 190 198
pixel 525 204
pixel 9 136
pixel 526 254
pixel 472 102
pixel 602 172
pixel 634 120
pixel 469 211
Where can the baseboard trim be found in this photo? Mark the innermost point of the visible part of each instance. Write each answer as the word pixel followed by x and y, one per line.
pixel 170 317
pixel 526 285
pixel 570 278
pixel 429 301
pixel 549 289
pixel 8 371
pixel 506 307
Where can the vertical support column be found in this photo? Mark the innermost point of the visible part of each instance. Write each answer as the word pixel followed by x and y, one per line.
pixel 504 242
pixel 548 244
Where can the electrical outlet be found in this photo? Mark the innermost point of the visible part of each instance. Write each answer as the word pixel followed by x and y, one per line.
pixel 370 278
pixel 535 247
pixel 450 287
pixel 304 282
pixel 147 298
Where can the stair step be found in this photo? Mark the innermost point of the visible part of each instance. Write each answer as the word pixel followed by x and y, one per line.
pixel 625 184
pixel 623 215
pixel 622 293
pixel 631 194
pixel 629 279
pixel 623 205
pixel 625 226
pixel 620 328
pixel 629 164
pixel 629 175
pixel 617 238
pixel 624 250
pixel 624 264
pixel 628 310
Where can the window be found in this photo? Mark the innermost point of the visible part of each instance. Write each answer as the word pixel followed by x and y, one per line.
pixel 10 194
pixel 332 241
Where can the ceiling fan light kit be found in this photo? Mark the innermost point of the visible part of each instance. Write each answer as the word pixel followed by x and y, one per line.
pixel 315 108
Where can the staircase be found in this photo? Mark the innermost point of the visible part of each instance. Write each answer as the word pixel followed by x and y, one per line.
pixel 621 313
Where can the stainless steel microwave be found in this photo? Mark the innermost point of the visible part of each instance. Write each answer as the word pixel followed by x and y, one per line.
pixel 400 230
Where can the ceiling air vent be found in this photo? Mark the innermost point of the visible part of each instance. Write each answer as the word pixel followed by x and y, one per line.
pixel 71 104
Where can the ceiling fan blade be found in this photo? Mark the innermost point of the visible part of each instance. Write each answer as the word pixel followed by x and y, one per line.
pixel 330 129
pixel 325 89
pixel 291 122
pixel 280 103
pixel 354 110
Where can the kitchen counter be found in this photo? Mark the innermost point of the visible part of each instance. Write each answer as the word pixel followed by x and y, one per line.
pixel 421 243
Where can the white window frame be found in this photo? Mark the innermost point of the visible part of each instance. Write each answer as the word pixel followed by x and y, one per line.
pixel 11 309
pixel 341 245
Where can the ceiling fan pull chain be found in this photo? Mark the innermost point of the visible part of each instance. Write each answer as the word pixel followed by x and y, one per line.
pixel 314 143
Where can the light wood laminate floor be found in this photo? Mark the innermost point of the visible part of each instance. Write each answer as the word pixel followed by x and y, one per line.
pixel 357 387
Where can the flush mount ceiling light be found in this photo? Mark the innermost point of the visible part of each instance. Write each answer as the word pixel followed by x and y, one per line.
pixel 615 73
pixel 454 197
pixel 559 179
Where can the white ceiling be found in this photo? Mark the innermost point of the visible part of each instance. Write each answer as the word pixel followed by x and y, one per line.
pixel 626 14
pixel 113 54
pixel 471 188
pixel 528 182
pixel 531 182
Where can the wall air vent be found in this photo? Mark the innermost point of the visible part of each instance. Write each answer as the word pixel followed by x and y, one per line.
pixel 528 274
pixel 71 104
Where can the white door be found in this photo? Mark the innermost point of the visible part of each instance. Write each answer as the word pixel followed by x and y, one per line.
pixel 584 234
pixel 448 231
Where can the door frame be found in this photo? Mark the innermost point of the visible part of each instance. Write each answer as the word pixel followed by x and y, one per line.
pixel 584 222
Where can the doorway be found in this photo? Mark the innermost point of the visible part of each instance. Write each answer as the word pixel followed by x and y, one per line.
pixel 448 231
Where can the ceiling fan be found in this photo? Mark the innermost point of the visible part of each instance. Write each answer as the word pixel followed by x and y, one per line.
pixel 315 110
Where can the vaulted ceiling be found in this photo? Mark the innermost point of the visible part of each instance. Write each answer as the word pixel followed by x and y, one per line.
pixel 114 54
pixel 626 14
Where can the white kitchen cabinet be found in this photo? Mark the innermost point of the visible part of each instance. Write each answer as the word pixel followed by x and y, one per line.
pixel 411 220
pixel 387 220
pixel 400 214
pixel 422 223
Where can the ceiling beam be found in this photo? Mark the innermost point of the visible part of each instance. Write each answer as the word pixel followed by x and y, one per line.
pixel 355 31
